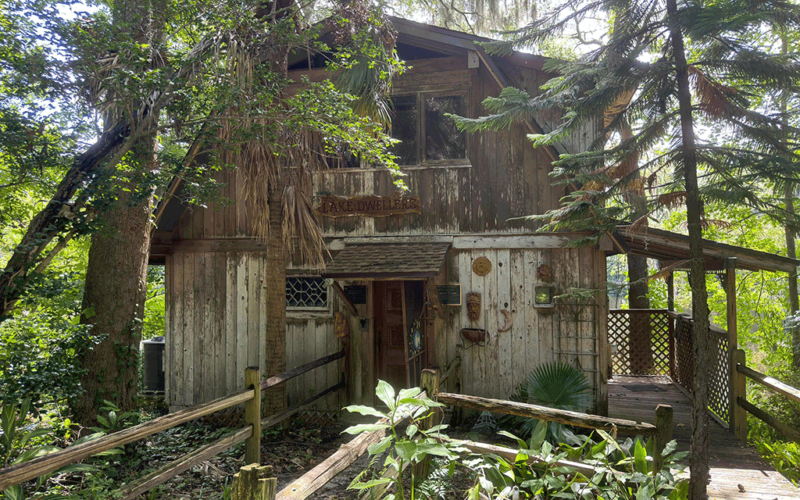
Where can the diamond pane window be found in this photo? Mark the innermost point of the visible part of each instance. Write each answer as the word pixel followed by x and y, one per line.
pixel 306 293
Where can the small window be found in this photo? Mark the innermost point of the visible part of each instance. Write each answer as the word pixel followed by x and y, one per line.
pixel 439 141
pixel 404 129
pixel 306 293
pixel 443 141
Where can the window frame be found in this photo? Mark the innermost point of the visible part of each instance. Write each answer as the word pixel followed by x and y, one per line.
pixel 421 96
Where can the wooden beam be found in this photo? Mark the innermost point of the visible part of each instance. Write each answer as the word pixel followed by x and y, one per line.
pixel 46 464
pixel 280 417
pixel 770 383
pixel 550 414
pixel 664 417
pixel 770 420
pixel 181 465
pixel 451 368
pixel 351 308
pixel 283 377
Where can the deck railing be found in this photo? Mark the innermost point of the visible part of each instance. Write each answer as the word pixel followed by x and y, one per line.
pixel 250 434
pixel 661 342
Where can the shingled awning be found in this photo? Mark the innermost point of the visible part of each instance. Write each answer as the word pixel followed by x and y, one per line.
pixel 388 260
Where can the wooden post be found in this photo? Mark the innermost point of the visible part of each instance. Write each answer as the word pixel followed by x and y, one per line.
pixel 254 482
pixel 730 291
pixel 663 435
pixel 671 291
pixel 671 334
pixel 252 416
pixel 739 414
pixel 429 381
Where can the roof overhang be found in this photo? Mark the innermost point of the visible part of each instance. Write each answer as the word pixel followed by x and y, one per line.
pixel 386 261
pixel 671 248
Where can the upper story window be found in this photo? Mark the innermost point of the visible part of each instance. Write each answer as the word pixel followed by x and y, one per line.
pixel 304 292
pixel 426 134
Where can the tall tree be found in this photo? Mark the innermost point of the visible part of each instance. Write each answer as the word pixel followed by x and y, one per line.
pixel 685 63
pixel 115 290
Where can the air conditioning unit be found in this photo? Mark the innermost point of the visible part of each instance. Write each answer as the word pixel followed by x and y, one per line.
pixel 153 365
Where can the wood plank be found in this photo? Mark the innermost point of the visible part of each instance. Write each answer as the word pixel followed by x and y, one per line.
pixel 242 304
pixel 230 323
pixel 505 340
pixel 585 420
pixel 520 311
pixel 190 336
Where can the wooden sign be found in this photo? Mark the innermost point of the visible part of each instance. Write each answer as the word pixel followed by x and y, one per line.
pixel 449 295
pixel 369 206
pixel 356 293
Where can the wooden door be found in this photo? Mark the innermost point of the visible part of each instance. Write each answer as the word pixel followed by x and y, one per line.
pixel 389 333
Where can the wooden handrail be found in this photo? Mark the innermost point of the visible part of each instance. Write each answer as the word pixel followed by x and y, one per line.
pixel 160 476
pixel 551 414
pixel 770 383
pixel 48 463
pixel 769 419
pixel 283 377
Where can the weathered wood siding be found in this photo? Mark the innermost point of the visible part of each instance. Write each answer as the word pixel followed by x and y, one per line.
pixel 502 178
pixel 570 333
pixel 216 324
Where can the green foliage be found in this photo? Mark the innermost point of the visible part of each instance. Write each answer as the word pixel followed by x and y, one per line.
pixel 555 385
pixel 783 455
pixel 24 438
pixel 402 448
pixel 621 471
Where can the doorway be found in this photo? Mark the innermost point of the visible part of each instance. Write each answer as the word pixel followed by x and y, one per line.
pixel 400 332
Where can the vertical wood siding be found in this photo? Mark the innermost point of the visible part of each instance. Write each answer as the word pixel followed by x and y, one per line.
pixel 538 335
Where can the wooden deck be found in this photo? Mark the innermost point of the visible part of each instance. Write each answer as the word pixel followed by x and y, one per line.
pixel 734 465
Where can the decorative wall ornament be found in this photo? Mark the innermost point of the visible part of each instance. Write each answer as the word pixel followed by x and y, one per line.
pixel 545 273
pixel 341 325
pixel 474 306
pixel 482 266
pixel 509 321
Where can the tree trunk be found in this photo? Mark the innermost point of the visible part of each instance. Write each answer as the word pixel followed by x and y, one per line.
pixel 113 304
pixel 698 461
pixel 275 349
pixel 116 276
pixel 641 344
pixel 791 248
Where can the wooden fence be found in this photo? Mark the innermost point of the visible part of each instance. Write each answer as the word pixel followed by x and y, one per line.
pixel 250 434
pixel 348 453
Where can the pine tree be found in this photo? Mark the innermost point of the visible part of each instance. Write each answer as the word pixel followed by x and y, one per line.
pixel 684 63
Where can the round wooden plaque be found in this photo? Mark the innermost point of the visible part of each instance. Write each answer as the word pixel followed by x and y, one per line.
pixel 481 266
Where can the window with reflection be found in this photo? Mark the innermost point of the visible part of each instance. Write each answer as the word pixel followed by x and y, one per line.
pixel 439 140
pixel 443 141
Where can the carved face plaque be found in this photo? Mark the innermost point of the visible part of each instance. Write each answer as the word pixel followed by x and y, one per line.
pixel 481 266
pixel 473 306
pixel 544 273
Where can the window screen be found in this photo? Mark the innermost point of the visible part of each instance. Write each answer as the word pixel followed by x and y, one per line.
pixel 404 129
pixel 443 141
pixel 306 293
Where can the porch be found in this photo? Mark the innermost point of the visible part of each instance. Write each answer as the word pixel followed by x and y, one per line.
pixel 661 373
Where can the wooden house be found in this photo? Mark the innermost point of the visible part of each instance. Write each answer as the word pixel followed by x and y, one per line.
pixel 446 270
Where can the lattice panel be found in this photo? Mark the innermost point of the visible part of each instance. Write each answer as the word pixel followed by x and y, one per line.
pixel 684 353
pixel 643 342
pixel 718 376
